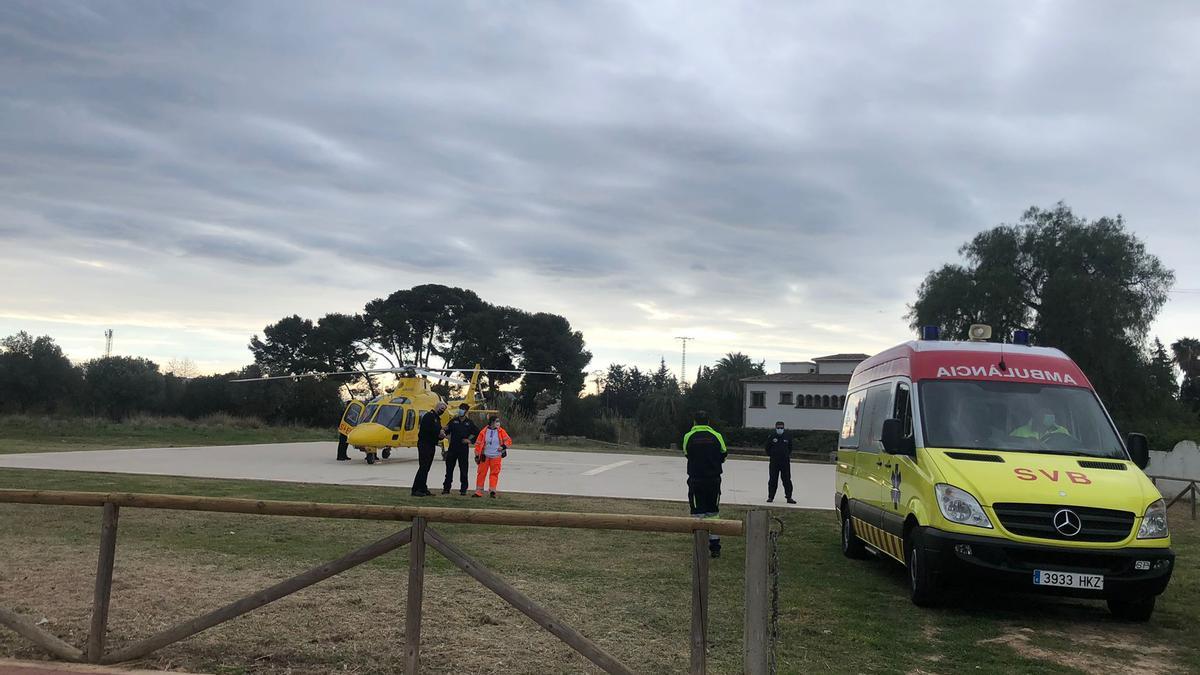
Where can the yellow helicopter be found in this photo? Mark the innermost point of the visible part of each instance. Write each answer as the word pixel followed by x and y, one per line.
pixel 390 420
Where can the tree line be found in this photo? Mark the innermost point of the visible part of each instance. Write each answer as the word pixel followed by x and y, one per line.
pixel 36 377
pixel 654 404
pixel 432 325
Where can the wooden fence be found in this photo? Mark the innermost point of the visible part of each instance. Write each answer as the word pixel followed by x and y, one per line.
pixel 1192 488
pixel 416 537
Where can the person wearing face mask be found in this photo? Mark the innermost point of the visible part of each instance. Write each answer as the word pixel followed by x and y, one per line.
pixel 1041 426
pixel 779 449
pixel 491 447
pixel 461 431
pixel 429 434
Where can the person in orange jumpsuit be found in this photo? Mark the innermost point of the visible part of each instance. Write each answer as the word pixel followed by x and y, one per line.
pixel 491 447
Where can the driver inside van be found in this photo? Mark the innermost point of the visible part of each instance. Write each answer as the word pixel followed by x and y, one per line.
pixel 1041 426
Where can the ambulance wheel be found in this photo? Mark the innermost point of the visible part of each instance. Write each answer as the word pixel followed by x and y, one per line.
pixel 1132 609
pixel 387 452
pixel 922 584
pixel 852 546
pixel 370 458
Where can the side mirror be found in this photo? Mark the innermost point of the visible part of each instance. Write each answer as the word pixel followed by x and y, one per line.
pixel 894 442
pixel 1139 449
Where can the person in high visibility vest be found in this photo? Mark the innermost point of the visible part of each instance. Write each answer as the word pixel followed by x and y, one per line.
pixel 705 450
pixel 491 447
pixel 1040 427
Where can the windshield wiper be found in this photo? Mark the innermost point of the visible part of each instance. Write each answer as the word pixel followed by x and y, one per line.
pixel 1068 453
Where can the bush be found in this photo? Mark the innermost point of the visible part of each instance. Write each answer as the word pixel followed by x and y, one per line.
pixel 803 440
pixel 522 426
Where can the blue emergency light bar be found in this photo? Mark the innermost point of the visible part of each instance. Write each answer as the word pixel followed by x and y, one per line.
pixel 1021 337
pixel 929 332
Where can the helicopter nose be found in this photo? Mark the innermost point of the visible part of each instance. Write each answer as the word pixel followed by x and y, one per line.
pixel 368 435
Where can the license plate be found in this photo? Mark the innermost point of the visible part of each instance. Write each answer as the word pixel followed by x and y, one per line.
pixel 1094 582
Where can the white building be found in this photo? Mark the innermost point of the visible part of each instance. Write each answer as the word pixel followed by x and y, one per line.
pixel 804 394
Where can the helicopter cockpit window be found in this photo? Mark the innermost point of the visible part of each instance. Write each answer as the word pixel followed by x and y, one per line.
pixel 390 416
pixel 410 420
pixel 368 413
pixel 352 413
pixel 399 400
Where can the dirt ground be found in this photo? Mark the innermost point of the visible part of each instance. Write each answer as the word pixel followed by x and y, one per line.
pixel 358 616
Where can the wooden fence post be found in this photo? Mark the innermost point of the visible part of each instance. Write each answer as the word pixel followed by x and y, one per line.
pixel 104 572
pixel 1194 492
pixel 755 635
pixel 699 602
pixel 416 594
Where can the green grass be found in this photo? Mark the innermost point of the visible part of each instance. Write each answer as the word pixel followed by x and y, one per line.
pixel 26 433
pixel 630 590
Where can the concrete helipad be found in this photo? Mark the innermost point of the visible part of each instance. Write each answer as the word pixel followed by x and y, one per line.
pixel 586 474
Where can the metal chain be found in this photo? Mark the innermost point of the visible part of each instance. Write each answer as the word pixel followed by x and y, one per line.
pixel 773 570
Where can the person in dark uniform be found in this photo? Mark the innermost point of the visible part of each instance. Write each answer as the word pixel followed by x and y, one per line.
pixel 462 432
pixel 347 423
pixel 779 449
pixel 429 434
pixel 705 452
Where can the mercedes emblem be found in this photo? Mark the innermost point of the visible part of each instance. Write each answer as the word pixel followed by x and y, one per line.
pixel 1067 522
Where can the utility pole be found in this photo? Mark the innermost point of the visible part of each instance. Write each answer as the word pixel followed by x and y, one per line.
pixel 683 359
pixel 108 343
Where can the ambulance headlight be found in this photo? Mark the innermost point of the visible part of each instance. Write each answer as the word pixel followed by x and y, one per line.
pixel 1154 523
pixel 958 506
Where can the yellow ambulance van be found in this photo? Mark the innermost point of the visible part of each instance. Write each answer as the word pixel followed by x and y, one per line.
pixel 973 462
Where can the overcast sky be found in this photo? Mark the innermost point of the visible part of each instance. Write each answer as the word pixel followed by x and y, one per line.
pixel 774 178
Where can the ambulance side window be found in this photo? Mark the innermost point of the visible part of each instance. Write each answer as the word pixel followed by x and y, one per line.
pixel 903 409
pixel 875 410
pixel 850 421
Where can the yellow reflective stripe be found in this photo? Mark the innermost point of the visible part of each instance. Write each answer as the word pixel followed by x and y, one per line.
pixel 883 541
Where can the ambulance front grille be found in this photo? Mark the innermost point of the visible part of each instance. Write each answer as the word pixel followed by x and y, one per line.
pixel 1037 520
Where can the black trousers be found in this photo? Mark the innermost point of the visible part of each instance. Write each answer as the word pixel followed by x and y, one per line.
pixel 424 462
pixel 458 457
pixel 704 495
pixel 781 467
pixel 343 444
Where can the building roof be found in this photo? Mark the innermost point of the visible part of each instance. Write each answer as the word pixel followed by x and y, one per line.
pixel 842 357
pixel 803 378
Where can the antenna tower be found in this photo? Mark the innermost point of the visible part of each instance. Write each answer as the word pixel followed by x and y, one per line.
pixel 107 343
pixel 683 359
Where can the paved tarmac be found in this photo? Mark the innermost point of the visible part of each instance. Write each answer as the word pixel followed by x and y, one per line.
pixel 587 474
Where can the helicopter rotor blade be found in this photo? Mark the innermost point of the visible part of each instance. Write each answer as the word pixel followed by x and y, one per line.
pixel 436 376
pixel 371 371
pixel 493 370
pixel 297 376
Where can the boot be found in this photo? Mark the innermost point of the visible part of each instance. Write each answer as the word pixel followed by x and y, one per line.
pixel 791 501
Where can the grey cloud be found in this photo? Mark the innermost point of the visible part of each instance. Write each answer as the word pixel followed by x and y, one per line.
pixel 606 148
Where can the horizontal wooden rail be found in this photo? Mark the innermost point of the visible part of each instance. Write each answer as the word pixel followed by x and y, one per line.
pixel 591 521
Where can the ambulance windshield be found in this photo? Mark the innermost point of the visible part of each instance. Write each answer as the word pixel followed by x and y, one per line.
pixel 1016 417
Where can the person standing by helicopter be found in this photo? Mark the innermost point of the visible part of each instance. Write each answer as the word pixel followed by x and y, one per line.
pixel 429 434
pixel 491 447
pixel 462 432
